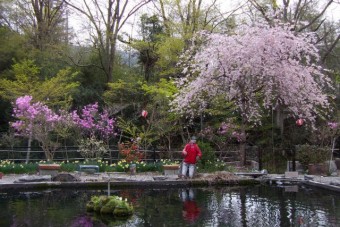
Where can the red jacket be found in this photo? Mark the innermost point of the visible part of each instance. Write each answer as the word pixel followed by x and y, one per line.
pixel 193 151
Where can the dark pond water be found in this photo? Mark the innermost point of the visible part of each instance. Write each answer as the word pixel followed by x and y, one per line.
pixel 224 206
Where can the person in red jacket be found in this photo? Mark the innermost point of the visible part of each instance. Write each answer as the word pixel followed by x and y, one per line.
pixel 191 154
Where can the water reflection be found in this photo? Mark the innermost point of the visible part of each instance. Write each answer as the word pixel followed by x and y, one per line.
pixel 224 206
pixel 191 211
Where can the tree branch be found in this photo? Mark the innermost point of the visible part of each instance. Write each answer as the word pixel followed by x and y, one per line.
pixel 323 59
pixel 317 17
pixel 261 9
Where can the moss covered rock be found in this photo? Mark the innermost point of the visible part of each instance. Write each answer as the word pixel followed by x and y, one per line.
pixel 99 202
pixel 122 211
pixel 109 207
pixel 90 206
pixel 113 205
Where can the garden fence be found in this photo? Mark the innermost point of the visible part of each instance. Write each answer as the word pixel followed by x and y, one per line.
pixel 18 155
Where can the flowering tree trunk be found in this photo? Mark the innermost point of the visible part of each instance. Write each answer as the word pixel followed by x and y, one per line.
pixel 243 155
pixel 29 143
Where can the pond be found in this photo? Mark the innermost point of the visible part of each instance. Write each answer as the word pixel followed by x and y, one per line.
pixel 223 206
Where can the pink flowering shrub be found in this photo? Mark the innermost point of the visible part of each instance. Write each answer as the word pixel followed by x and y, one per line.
pixel 224 134
pixel 92 122
pixel 333 125
pixel 95 128
pixel 36 121
pixel 325 134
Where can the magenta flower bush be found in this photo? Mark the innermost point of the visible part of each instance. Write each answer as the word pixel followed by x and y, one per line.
pixel 36 121
pixel 94 123
pixel 95 129
pixel 30 113
pixel 224 134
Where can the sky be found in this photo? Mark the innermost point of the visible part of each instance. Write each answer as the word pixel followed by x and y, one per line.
pixel 334 12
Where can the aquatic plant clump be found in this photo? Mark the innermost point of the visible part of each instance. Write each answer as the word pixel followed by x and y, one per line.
pixel 113 205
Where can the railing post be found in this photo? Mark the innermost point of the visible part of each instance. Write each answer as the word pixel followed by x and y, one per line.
pixel 108 187
pixel 154 154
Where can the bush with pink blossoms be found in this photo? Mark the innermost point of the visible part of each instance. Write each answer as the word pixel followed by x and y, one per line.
pixel 93 123
pixel 36 121
pixel 224 134
pixel 95 128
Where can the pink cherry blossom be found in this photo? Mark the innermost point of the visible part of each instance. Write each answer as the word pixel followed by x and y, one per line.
pixel 333 125
pixel 259 68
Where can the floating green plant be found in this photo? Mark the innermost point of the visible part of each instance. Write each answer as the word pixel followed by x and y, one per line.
pixel 113 205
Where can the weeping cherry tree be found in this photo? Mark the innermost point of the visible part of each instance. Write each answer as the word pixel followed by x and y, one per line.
pixel 258 68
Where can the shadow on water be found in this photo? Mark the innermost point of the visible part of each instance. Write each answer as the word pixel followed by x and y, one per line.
pixel 219 206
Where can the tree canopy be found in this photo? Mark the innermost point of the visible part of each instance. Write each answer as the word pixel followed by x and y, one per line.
pixel 258 68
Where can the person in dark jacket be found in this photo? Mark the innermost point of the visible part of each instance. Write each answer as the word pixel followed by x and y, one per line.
pixel 191 153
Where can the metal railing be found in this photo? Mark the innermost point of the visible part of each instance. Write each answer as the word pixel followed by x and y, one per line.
pixel 19 154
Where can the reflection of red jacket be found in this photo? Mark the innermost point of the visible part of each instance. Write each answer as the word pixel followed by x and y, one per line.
pixel 191 210
pixel 193 151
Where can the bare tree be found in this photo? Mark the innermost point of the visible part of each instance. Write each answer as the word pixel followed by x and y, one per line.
pixel 5 6
pixel 304 15
pixel 187 17
pixel 43 21
pixel 106 20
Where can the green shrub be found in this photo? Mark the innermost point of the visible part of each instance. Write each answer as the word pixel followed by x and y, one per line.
pixel 100 163
pixel 211 166
pixel 8 167
pixel 274 161
pixel 208 154
pixel 310 154
pixel 148 167
pixel 208 161
pixel 123 166
pixel 69 166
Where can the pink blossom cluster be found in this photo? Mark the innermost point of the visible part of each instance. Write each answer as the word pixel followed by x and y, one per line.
pixel 94 122
pixel 31 115
pixel 259 68
pixel 225 132
pixel 333 125
pixel 224 128
pixel 240 137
